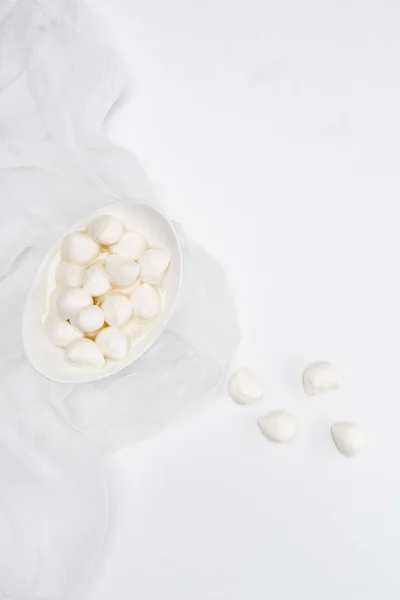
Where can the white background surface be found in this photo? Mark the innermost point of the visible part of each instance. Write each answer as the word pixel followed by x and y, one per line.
pixel 271 132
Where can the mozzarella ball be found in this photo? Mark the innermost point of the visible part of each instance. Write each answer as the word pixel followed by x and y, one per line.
pixel 320 377
pixel 84 353
pixel 244 387
pixel 146 302
pixel 349 438
pixel 106 230
pixel 117 310
pixel 131 245
pixel 121 271
pixel 88 319
pixel 71 301
pixel 96 281
pixel 278 426
pixel 69 275
pixel 79 248
pixel 61 333
pixel 153 264
pixel 113 343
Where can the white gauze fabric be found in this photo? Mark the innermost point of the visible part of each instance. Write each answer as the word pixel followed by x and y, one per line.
pixel 58 84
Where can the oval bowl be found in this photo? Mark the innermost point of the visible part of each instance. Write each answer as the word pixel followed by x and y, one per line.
pixel 47 358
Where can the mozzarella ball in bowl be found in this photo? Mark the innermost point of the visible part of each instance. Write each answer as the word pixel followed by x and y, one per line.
pixel 84 353
pixel 146 302
pixel 96 281
pixel 61 333
pixel 121 271
pixel 106 230
pixel 69 275
pixel 88 319
pixel 131 245
pixel 153 265
pixel 117 310
pixel 79 248
pixel 113 343
pixel 71 301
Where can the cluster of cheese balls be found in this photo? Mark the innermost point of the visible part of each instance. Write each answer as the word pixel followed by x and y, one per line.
pixel 281 426
pixel 107 278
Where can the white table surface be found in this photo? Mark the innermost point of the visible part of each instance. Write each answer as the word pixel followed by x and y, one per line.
pixel 271 132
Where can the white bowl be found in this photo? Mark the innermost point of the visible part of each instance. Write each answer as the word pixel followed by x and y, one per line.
pixel 47 358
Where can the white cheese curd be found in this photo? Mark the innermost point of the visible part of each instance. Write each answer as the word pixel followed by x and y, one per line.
pixel 96 281
pixel 88 319
pixel 121 271
pixel 71 300
pixel 61 333
pixel 79 248
pixel 349 438
pixel 244 387
pixel 106 230
pixel 320 377
pixel 69 275
pixel 113 343
pixel 278 426
pixel 84 353
pixel 153 264
pixel 131 245
pixel 117 310
pixel 146 302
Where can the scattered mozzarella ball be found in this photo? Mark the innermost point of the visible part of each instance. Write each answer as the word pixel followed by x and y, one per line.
pixel 244 387
pixel 349 438
pixel 79 248
pixel 121 271
pixel 88 319
pixel 61 333
pixel 131 245
pixel 69 275
pixel 106 230
pixel 71 301
pixel 320 377
pixel 117 310
pixel 278 426
pixel 96 281
pixel 113 343
pixel 146 302
pixel 84 353
pixel 153 264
